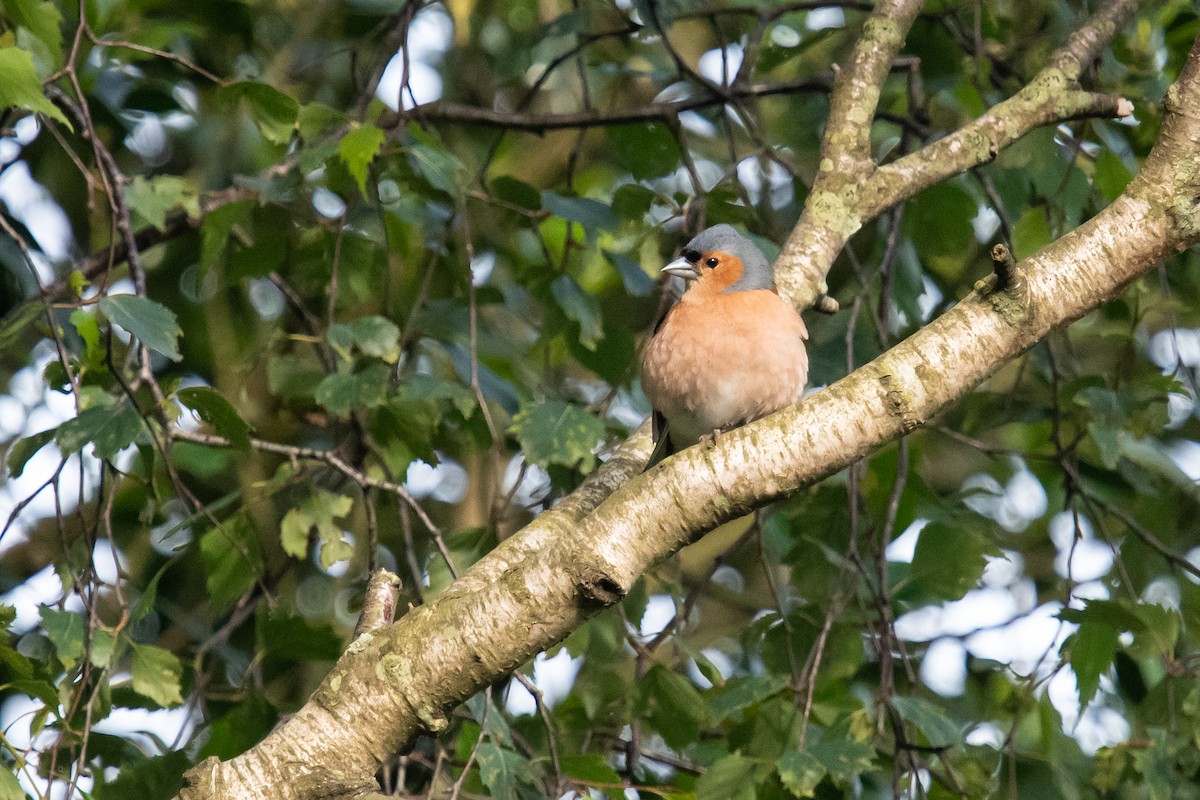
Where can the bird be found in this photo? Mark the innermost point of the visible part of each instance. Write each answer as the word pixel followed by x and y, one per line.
pixel 730 351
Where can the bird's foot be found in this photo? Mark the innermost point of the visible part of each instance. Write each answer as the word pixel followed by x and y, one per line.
pixel 710 439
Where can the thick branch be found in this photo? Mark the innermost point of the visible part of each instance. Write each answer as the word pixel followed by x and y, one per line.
pixel 407 677
pixel 847 193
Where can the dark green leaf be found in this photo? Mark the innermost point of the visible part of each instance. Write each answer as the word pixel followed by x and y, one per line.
pixel 646 149
pixel 504 772
pixel 557 433
pixel 153 324
pixel 373 335
pixel 670 703
pixel 66 630
pixel 593 769
pixel 579 306
pixel 218 412
pixel 109 429
pixel 730 778
pixel 41 18
pixel 10 789
pixel 343 392
pixel 519 193
pixel 938 730
pixel 232 560
pixel 592 214
pixel 1091 650
pixel 24 449
pixel 273 112
pixel 432 160
pixel 843 758
pixel 949 562
pixel 1030 233
pixel 636 281
pixel 158 778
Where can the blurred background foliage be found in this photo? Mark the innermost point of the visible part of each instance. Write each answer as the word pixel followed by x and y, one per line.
pixel 391 265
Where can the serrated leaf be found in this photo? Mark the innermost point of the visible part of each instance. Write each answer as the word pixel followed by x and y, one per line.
pixel 153 324
pixel 844 758
pixel 317 510
pixel 156 675
pixel 948 562
pixel 742 692
pixel 1092 649
pixel 232 561
pixel 373 335
pixel 730 778
pixel 557 433
pixel 672 705
pixel 218 412
pixel 153 199
pixel 24 449
pixel 22 88
pixel 109 429
pixel 503 772
pixel 938 730
pixel 66 630
pixel 343 392
pixel 581 307
pixel 358 149
pixel 274 112
pixel 800 772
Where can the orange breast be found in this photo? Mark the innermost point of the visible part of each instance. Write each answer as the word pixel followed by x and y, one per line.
pixel 720 360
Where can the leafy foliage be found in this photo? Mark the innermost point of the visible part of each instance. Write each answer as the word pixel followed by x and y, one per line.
pixel 429 319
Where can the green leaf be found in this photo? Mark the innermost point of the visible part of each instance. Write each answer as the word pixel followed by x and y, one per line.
pixel 504 772
pixel 672 705
pixel 318 510
pixel 66 630
pixel 24 449
pixel 646 149
pixel 274 112
pixel 157 778
pixel 929 720
pixel 216 231
pixel 743 692
pixel 373 335
pixel 1030 233
pixel 949 562
pixel 800 772
pixel 358 149
pixel 22 88
pixel 1113 613
pixel 10 788
pixel 343 392
pixel 593 769
pixel 218 412
pixel 430 387
pixel 316 118
pixel 557 433
pixel 592 214
pixel 631 201
pixel 153 199
pixel 109 429
pixel 516 192
pixel 232 561
pixel 1112 176
pixel 41 18
pixel 636 281
pixel 430 159
pixel 581 307
pixel 89 330
pixel 1091 650
pixel 156 675
pixel 153 324
pixel 730 778
pixel 843 758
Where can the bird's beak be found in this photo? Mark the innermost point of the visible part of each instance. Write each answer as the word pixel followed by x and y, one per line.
pixel 682 268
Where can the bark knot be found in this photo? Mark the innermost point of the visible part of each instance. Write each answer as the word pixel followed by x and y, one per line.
pixel 597 589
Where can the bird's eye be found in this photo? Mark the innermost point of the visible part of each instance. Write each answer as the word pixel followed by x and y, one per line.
pixel 712 262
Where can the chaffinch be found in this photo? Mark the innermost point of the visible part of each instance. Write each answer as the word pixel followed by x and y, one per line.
pixel 730 351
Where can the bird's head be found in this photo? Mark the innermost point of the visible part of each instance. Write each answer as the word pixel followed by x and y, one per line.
pixel 723 260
